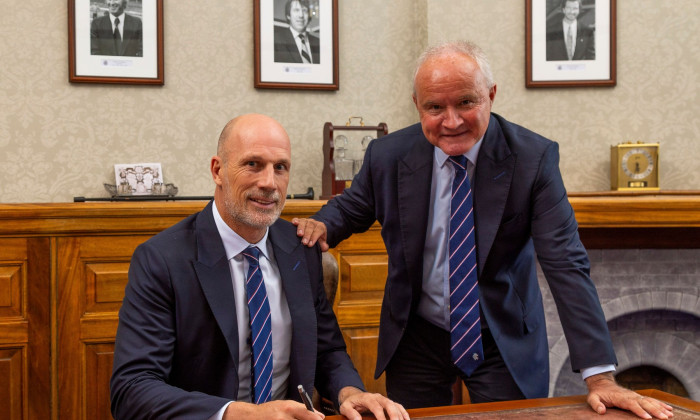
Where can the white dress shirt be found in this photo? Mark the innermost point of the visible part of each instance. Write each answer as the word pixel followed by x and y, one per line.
pixel 279 312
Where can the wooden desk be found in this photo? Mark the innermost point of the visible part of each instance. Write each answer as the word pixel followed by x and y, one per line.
pixel 574 407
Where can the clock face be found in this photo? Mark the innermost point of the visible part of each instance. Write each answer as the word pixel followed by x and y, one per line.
pixel 637 163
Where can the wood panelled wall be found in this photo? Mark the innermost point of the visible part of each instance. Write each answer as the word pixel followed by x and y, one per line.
pixel 63 269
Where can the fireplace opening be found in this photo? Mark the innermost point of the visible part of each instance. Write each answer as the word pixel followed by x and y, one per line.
pixel 651 377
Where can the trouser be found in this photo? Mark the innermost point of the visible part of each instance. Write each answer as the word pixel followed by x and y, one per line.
pixel 421 372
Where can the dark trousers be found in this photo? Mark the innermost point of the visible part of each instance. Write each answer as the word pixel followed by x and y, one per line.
pixel 421 372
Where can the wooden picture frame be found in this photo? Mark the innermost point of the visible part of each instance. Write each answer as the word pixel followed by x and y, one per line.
pixel 95 56
pixel 278 61
pixel 549 63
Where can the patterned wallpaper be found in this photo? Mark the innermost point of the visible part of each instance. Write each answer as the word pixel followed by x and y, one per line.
pixel 60 140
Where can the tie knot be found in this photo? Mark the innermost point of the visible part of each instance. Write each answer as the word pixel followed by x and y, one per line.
pixel 459 162
pixel 116 21
pixel 302 37
pixel 252 254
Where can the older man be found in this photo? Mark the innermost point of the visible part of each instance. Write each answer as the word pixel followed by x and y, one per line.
pixel 466 201
pixel 117 33
pixel 225 313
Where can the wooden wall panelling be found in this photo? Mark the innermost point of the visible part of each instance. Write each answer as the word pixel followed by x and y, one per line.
pixel 92 275
pixel 362 266
pixel 24 328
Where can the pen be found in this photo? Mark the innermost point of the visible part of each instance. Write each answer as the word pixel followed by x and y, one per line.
pixel 305 397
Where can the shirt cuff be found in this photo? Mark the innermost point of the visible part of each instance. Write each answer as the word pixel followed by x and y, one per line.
pixel 585 373
pixel 219 415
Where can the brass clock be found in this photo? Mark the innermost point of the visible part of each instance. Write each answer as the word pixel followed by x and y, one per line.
pixel 634 166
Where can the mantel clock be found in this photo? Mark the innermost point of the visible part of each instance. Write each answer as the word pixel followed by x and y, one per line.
pixel 634 167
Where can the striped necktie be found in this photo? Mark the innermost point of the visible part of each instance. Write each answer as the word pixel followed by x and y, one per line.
pixel 305 56
pixel 465 327
pixel 260 328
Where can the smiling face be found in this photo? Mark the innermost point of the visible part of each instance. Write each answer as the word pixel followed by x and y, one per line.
pixel 116 7
pixel 251 173
pixel 571 10
pixel 298 16
pixel 454 102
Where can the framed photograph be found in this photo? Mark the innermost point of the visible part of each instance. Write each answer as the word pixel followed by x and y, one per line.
pixel 138 178
pixel 115 41
pixel 296 44
pixel 570 43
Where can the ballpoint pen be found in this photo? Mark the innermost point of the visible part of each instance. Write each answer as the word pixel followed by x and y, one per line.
pixel 305 397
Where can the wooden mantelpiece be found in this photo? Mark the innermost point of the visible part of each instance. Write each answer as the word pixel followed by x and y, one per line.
pixel 63 268
pixel 668 219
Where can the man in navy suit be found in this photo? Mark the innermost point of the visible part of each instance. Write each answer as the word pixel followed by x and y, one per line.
pixel 183 345
pixel 117 33
pixel 520 209
pixel 295 44
pixel 570 38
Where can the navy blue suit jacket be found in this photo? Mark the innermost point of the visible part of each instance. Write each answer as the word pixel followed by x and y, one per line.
pixel 521 208
pixel 176 351
pixel 102 40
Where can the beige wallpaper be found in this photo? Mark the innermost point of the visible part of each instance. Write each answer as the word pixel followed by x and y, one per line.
pixel 60 140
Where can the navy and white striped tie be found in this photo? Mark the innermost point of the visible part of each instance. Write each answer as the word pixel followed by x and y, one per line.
pixel 465 327
pixel 260 327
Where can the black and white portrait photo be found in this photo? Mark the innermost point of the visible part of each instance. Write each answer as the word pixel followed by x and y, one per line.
pixel 115 41
pixel 297 32
pixel 116 28
pixel 296 44
pixel 570 43
pixel 570 30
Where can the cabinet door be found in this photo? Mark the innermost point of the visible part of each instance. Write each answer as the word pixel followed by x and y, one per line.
pixel 24 328
pixel 91 277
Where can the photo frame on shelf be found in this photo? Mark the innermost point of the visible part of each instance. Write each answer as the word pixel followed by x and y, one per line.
pixel 138 179
pixel 99 54
pixel 584 57
pixel 283 59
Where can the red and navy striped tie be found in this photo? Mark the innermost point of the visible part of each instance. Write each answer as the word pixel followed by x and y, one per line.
pixel 260 328
pixel 465 328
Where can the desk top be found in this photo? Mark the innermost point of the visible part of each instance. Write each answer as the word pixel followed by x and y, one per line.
pixel 574 407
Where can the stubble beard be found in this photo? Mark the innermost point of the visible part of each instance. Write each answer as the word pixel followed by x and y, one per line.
pixel 256 218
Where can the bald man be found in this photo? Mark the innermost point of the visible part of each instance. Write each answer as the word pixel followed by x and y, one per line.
pixel 186 346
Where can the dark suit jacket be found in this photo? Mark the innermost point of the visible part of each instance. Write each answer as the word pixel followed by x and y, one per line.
pixel 521 207
pixel 176 351
pixel 102 40
pixel 286 50
pixel 556 46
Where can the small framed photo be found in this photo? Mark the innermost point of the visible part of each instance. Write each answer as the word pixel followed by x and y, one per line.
pixel 570 43
pixel 115 41
pixel 296 44
pixel 138 179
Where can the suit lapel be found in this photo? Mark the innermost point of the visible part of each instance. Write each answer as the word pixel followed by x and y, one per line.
pixel 492 181
pixel 214 275
pixel 294 271
pixel 414 178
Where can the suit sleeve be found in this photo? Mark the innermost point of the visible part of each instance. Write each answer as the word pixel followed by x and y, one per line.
pixel 145 345
pixel 565 264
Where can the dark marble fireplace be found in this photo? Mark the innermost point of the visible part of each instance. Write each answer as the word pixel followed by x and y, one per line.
pixel 651 300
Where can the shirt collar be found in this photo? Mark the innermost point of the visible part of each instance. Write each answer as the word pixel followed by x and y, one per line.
pixel 471 155
pixel 234 244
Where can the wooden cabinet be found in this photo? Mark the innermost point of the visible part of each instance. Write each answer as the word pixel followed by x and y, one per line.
pixel 63 268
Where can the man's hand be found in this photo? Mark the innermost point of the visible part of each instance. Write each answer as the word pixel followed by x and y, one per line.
pixel 604 392
pixel 310 231
pixel 354 401
pixel 274 410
